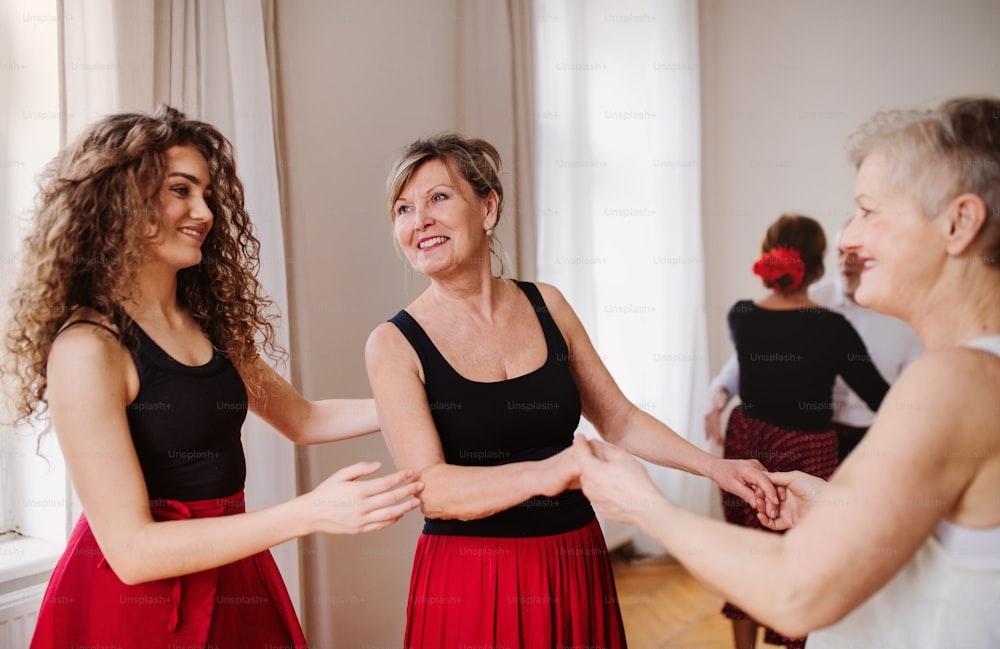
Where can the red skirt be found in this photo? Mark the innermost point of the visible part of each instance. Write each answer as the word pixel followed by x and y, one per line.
pixel 778 449
pixel 517 593
pixel 240 605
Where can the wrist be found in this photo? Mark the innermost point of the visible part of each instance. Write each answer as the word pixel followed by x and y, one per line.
pixel 711 467
pixel 301 515
pixel 656 514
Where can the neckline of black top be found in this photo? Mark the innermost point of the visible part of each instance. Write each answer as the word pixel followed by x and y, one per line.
pixel 541 324
pixel 154 352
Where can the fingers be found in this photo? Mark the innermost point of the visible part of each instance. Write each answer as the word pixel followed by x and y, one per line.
pixel 782 479
pixel 356 470
pixel 385 498
pixel 769 492
pixel 386 516
pixel 384 483
pixel 775 524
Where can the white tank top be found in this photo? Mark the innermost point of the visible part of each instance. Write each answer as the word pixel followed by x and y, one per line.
pixel 947 596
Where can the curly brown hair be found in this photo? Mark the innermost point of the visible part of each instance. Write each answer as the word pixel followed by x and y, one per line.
pixel 96 204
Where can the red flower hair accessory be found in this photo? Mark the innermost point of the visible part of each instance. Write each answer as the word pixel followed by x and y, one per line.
pixel 781 268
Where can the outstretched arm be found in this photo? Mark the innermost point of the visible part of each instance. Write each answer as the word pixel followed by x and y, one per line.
pixel 877 510
pixel 91 381
pixel 620 422
pixel 310 422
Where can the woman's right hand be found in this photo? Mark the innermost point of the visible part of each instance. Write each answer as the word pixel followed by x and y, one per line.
pixel 344 504
pixel 797 492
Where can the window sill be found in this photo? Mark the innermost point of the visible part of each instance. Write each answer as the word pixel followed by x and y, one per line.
pixel 22 557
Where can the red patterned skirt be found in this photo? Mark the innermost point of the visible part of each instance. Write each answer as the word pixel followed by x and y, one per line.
pixel 240 605
pixel 518 593
pixel 778 449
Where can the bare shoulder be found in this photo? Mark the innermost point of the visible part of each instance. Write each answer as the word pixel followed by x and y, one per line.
pixel 387 344
pixel 959 381
pixel 88 335
pixel 559 307
pixel 86 355
pixel 554 299
pixel 943 407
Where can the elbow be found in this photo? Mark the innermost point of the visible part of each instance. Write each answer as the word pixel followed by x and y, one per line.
pixel 612 429
pixel 799 609
pixel 130 572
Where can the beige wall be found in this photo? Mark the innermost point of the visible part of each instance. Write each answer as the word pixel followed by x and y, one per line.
pixel 357 81
pixel 785 83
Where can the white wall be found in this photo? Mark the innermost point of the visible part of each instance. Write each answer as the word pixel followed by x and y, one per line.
pixel 785 83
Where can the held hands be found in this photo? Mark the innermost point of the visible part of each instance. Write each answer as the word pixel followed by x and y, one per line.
pixel 798 492
pixel 615 483
pixel 343 504
pixel 749 480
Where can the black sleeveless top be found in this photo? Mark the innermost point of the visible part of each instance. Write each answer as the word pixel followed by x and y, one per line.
pixel 530 417
pixel 185 423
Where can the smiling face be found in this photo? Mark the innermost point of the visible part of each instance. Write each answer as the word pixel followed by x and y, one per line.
pixel 185 218
pixel 441 224
pixel 900 250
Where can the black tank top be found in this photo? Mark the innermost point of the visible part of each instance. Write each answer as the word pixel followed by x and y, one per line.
pixel 185 423
pixel 529 417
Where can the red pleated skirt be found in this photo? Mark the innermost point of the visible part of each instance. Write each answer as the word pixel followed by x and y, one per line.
pixel 241 605
pixel 540 592
pixel 778 449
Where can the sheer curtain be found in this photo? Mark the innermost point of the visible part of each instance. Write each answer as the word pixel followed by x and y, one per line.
pixel 209 60
pixel 619 210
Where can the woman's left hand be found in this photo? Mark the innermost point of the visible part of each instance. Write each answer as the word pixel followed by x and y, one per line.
pixel 615 483
pixel 749 480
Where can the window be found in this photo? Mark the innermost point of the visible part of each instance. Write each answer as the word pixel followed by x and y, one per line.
pixel 34 491
pixel 618 166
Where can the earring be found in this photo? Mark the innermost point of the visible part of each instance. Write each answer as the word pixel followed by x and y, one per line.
pixel 489 233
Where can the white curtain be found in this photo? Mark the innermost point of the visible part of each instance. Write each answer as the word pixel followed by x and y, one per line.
pixel 209 60
pixel 619 210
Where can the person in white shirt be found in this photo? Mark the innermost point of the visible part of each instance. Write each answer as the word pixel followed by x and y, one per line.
pixel 890 341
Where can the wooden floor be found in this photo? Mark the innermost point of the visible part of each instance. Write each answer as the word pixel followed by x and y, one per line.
pixel 664 607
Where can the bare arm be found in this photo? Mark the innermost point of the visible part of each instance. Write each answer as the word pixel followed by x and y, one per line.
pixel 91 380
pixel 913 469
pixel 310 422
pixel 620 422
pixel 450 491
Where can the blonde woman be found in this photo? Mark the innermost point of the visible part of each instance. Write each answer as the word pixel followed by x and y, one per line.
pixel 480 384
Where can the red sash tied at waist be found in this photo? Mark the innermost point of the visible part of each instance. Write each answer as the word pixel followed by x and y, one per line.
pixel 87 604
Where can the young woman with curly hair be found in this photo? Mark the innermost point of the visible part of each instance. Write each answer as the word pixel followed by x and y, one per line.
pixel 137 327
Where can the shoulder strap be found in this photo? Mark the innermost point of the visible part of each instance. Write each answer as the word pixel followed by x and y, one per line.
pixel 90 322
pixel 427 352
pixel 553 337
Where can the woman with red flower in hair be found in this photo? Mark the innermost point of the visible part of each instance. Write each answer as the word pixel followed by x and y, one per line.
pixel 790 351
